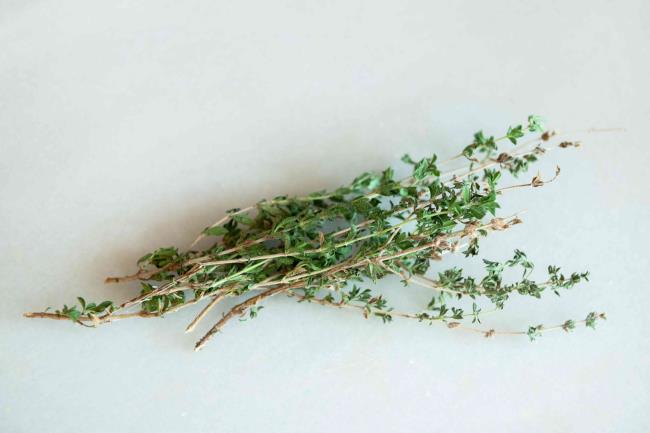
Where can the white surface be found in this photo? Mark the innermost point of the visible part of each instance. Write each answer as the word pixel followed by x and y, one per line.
pixel 125 126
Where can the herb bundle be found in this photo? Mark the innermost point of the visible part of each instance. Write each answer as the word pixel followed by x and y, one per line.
pixel 319 248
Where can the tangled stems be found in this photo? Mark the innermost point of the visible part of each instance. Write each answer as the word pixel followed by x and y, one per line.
pixel 314 247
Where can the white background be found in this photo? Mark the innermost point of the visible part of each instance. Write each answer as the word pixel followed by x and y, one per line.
pixel 125 126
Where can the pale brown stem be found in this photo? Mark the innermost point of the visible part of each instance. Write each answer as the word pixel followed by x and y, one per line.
pixel 218 298
pixel 238 310
pixel 429 284
pixel 536 182
pixel 215 300
pixel 106 318
pixel 95 320
pixel 163 290
pixel 169 287
pixel 450 325
pixel 141 274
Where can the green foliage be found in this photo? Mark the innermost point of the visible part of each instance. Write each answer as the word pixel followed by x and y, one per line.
pixel 356 295
pixel 517 166
pixel 160 257
pixel 569 325
pixel 515 133
pixel 534 332
pixel 481 144
pixel 253 312
pixel 75 312
pixel 215 231
pixel 406 158
pixel 322 245
pixel 161 303
pixel 590 320
pixel 535 123
pixel 426 167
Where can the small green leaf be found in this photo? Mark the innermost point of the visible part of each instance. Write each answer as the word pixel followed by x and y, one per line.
pixel 144 258
pixel 514 133
pixel 569 325
pixel 74 314
pixel 590 320
pixel 466 192
pixel 534 332
pixel 103 306
pixel 535 123
pixel 243 219
pixel 406 158
pixel 215 231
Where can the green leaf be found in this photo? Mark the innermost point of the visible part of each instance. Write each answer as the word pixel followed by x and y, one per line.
pixel 534 332
pixel 514 133
pixel 243 219
pixel 569 325
pixel 466 192
pixel 144 258
pixel 406 158
pixel 535 123
pixel 73 314
pixel 215 231
pixel 103 306
pixel 590 320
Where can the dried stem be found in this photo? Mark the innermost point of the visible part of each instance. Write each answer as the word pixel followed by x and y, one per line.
pixel 238 310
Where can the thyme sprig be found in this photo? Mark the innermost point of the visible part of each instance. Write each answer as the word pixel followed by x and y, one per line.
pixel 317 248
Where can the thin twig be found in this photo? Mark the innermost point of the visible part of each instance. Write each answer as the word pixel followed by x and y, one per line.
pixel 238 310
